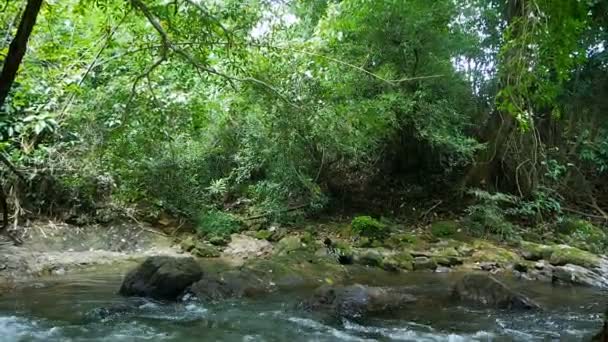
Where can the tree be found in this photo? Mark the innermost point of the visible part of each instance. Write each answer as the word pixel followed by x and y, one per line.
pixel 17 48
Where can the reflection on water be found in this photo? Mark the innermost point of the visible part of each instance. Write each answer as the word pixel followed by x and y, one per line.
pixel 88 309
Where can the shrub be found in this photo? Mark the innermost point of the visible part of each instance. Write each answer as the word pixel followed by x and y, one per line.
pixel 215 223
pixel 488 216
pixel 583 234
pixel 366 226
pixel 444 228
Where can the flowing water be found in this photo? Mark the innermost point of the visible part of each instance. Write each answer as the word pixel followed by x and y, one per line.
pixel 71 309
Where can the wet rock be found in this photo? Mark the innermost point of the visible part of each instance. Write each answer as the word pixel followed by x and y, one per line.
pixel 231 284
pixel 578 275
pixel 424 264
pixel 108 313
pixel 488 291
pixel 161 277
pixel 443 269
pixel 357 301
pixel 541 271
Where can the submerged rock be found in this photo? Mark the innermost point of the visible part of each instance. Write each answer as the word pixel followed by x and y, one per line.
pixel 487 290
pixel 161 277
pixel 356 301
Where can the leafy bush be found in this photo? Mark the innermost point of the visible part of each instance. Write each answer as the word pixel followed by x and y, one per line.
pixel 366 226
pixel 444 228
pixel 488 216
pixel 215 223
pixel 583 234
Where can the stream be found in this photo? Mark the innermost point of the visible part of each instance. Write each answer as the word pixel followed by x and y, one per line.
pixel 70 308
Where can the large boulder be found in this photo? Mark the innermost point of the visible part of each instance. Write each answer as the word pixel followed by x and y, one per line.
pixel 358 300
pixel 578 275
pixel 487 290
pixel 161 277
pixel 231 284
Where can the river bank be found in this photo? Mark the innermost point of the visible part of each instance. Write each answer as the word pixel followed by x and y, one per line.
pixel 279 267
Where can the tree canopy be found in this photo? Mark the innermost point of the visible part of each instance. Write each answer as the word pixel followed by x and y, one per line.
pixel 263 106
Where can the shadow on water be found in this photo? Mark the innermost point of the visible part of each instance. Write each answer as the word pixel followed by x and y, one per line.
pixel 87 308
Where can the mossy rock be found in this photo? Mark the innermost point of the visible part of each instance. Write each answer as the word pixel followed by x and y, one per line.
pixel 424 264
pixel 487 252
pixel 442 229
pixel 289 245
pixel 396 241
pixel 263 235
pixel 369 257
pixel 366 226
pixel 188 244
pixel 205 251
pixel 563 255
pixel 399 261
pixel 534 251
pixel 447 256
pixel 219 240
pixel 308 238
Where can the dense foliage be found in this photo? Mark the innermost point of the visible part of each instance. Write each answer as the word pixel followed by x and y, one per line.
pixel 281 108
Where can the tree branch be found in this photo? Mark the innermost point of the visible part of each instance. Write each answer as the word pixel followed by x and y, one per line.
pixel 18 48
pixel 167 45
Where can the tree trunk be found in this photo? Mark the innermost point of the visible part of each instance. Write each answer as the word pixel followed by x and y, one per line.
pixel 18 48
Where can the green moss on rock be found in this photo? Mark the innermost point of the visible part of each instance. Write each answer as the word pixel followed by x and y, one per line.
pixel 399 261
pixel 487 252
pixel 263 235
pixel 288 245
pixel 534 251
pixel 563 255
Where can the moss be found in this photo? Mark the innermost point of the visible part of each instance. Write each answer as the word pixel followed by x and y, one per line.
pixel 366 226
pixel 187 244
pixel 288 245
pixel 219 240
pixel 424 263
pixel 400 261
pixel 563 255
pixel 263 235
pixel 535 251
pixel 205 251
pixel 487 252
pixel 444 228
pixel 369 257
pixel 402 239
pixel 307 238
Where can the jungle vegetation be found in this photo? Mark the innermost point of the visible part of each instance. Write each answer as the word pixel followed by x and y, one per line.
pixel 218 110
